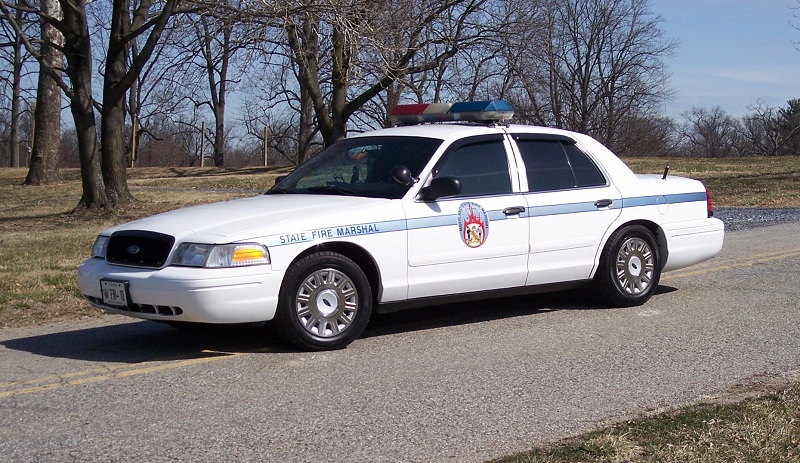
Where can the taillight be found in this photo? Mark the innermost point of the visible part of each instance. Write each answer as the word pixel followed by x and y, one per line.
pixel 709 206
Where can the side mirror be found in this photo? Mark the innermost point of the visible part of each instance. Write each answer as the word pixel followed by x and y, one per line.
pixel 402 175
pixel 279 179
pixel 440 187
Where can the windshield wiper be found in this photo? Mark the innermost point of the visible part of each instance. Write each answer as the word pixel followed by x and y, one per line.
pixel 280 191
pixel 331 190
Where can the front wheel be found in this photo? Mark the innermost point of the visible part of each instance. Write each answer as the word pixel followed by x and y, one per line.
pixel 630 267
pixel 325 302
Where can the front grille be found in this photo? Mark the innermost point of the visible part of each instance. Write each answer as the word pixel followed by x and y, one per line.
pixel 138 248
pixel 165 310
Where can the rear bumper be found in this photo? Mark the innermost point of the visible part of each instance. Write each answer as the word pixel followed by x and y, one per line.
pixel 693 242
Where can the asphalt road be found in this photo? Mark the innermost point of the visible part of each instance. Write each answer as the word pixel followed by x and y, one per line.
pixel 447 384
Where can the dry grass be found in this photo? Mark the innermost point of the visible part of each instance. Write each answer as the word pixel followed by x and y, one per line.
pixel 760 429
pixel 736 182
pixel 42 243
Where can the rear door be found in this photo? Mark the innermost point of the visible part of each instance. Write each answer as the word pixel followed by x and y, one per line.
pixel 570 206
pixel 476 240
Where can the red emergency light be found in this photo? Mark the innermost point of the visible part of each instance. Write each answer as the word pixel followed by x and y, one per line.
pixel 491 111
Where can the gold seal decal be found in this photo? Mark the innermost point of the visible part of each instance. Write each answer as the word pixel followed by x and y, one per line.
pixel 473 224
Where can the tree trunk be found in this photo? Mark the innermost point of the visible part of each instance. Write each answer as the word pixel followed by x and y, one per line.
pixel 47 116
pixel 305 131
pixel 15 98
pixel 79 70
pixel 340 79
pixel 219 102
pixel 217 84
pixel 133 112
pixel 113 149
pixel 112 128
pixel 219 136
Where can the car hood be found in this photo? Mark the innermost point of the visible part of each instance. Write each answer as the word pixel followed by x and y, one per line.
pixel 260 216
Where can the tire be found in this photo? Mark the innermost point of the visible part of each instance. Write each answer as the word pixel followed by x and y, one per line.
pixel 630 267
pixel 325 302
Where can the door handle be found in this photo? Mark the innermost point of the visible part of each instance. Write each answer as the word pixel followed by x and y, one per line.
pixel 601 203
pixel 515 210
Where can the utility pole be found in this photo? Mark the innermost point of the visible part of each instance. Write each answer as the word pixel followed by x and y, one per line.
pixel 266 146
pixel 134 128
pixel 203 144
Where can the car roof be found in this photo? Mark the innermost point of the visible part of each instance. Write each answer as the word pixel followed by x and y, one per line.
pixel 446 131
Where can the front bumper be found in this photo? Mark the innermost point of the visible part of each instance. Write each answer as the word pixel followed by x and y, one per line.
pixel 230 295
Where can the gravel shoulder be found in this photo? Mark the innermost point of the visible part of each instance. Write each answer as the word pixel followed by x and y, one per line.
pixel 747 218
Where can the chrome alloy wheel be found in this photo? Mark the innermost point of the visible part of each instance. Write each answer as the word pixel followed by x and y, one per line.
pixel 635 266
pixel 326 302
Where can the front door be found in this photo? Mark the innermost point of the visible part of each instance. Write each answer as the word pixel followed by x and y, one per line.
pixel 478 239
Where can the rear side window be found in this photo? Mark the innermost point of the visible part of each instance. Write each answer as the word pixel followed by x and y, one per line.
pixel 557 165
pixel 586 172
pixel 481 166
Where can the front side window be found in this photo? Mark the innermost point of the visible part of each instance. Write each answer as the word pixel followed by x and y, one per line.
pixel 481 166
pixel 360 167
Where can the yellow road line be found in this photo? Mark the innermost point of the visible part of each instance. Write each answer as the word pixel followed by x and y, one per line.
pixel 95 375
pixel 733 263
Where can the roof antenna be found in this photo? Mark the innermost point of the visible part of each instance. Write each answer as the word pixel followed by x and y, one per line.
pixel 666 171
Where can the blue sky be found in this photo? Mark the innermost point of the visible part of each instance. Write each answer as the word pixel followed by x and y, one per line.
pixel 732 53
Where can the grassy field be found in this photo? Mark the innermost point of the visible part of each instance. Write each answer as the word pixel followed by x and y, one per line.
pixel 764 428
pixel 42 243
pixel 736 182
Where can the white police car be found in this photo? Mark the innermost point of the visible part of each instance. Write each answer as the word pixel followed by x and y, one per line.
pixel 408 216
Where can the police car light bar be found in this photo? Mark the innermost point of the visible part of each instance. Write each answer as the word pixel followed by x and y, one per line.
pixel 470 111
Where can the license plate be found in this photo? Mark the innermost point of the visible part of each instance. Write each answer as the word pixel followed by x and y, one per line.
pixel 115 293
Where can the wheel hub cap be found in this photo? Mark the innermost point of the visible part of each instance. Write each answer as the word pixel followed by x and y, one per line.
pixel 326 303
pixel 635 266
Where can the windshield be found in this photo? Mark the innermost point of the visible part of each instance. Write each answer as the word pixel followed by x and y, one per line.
pixel 360 167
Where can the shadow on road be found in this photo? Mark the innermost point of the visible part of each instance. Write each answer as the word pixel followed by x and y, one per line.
pixel 145 341
pixel 490 309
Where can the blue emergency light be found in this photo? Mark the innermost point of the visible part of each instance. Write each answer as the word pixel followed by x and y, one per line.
pixel 491 111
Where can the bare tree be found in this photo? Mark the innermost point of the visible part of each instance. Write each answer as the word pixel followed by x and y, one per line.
pixel 220 39
pixel 15 57
pixel 47 134
pixel 103 174
pixel 796 25
pixel 600 63
pixel 161 96
pixel 169 142
pixel 127 24
pixel 789 126
pixel 761 131
pixel 274 100
pixel 711 133
pixel 331 42
pixel 647 135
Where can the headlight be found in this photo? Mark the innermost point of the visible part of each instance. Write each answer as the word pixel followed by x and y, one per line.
pixel 100 246
pixel 220 255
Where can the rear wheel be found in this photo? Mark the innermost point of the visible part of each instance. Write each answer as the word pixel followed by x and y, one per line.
pixel 325 302
pixel 630 267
